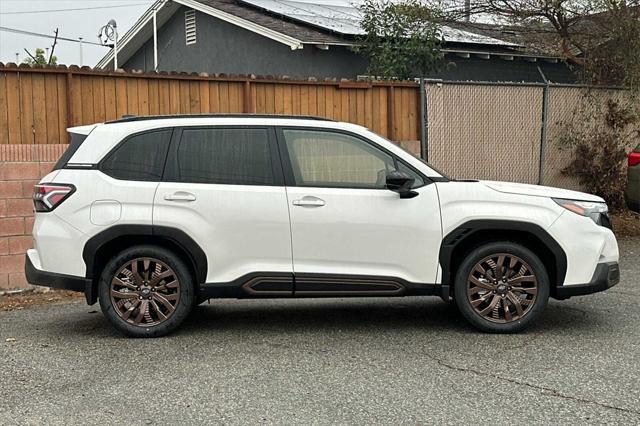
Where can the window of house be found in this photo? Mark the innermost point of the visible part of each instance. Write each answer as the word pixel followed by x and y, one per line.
pixel 190 26
pixel 225 156
pixel 141 157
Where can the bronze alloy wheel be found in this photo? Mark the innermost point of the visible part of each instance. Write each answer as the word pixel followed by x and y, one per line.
pixel 502 288
pixel 145 292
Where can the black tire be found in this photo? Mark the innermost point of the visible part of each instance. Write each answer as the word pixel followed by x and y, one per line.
pixel 182 297
pixel 485 307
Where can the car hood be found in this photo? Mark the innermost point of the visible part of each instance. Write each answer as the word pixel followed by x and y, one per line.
pixel 541 191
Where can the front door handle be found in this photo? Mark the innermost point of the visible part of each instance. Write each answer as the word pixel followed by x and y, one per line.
pixel 180 196
pixel 309 201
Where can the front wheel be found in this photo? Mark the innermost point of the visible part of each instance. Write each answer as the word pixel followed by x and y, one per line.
pixel 146 291
pixel 501 287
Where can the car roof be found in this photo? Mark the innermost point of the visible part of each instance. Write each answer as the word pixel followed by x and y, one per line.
pixel 133 118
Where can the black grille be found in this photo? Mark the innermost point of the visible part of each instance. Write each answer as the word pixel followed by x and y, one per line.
pixel 605 220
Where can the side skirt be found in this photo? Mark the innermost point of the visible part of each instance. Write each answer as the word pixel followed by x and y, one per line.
pixel 284 285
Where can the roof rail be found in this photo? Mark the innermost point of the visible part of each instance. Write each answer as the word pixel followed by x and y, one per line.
pixel 130 118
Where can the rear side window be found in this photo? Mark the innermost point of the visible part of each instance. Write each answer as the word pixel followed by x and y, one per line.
pixel 140 157
pixel 225 156
pixel 74 144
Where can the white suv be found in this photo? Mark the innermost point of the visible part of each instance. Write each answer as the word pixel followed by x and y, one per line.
pixel 153 215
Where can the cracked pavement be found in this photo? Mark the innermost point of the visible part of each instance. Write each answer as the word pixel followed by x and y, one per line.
pixel 382 361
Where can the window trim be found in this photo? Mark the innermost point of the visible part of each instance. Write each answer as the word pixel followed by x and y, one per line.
pixel 287 165
pixel 117 146
pixel 171 165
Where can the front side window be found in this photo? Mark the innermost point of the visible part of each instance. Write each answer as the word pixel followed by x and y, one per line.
pixel 331 159
pixel 225 156
pixel 141 157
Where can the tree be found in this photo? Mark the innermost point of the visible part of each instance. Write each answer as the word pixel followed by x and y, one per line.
pixel 39 58
pixel 599 37
pixel 402 39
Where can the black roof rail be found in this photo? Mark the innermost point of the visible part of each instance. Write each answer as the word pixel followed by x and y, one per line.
pixel 130 118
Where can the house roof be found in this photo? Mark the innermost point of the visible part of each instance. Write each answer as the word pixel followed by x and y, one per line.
pixel 295 24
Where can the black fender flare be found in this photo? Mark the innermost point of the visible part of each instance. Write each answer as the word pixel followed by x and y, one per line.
pixel 179 238
pixel 469 229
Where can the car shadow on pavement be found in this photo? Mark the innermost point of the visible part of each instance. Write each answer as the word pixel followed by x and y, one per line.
pixel 328 315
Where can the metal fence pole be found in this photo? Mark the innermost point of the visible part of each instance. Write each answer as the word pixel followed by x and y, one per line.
pixel 543 128
pixel 424 122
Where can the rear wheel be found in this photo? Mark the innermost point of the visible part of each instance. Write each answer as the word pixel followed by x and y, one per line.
pixel 501 287
pixel 146 291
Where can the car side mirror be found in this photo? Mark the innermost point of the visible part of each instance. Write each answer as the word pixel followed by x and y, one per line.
pixel 401 183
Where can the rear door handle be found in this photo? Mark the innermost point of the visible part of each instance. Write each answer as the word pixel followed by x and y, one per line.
pixel 309 201
pixel 180 196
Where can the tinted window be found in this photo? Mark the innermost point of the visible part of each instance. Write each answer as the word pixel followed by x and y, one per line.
pixel 405 169
pixel 74 144
pixel 336 160
pixel 225 156
pixel 141 157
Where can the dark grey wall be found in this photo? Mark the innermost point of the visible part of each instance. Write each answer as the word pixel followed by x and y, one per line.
pixel 225 48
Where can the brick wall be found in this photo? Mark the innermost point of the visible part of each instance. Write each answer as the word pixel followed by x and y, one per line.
pixel 21 166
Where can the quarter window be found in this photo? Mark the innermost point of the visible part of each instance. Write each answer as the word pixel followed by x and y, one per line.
pixel 225 156
pixel 141 157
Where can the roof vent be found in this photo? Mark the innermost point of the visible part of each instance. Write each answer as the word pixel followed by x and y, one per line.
pixel 190 26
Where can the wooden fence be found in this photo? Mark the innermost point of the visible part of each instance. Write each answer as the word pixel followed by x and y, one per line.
pixel 38 104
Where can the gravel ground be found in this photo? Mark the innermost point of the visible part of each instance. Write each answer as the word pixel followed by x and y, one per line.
pixel 383 361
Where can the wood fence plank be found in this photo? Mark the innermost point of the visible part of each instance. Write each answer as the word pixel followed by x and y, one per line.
pixel 122 97
pixel 110 110
pixel 26 107
pixel 360 118
pixel 312 100
pixel 368 108
pixel 4 116
pixel 86 103
pixel 279 99
pixel 164 102
pixel 194 97
pixel 295 96
pixel 63 117
pixel 304 100
pixel 271 98
pixel 143 96
pixel 214 96
pixel 174 97
pixel 236 97
pixel 287 101
pixel 223 96
pixel 203 87
pixel 13 109
pixel 51 105
pixel 39 110
pixel 99 109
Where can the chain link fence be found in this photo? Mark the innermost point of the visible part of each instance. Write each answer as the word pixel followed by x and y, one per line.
pixel 511 132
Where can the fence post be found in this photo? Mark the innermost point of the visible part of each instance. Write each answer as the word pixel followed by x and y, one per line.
pixel 424 122
pixel 543 128
pixel 390 112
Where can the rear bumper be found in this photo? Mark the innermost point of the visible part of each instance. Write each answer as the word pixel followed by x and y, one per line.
pixel 51 279
pixel 605 276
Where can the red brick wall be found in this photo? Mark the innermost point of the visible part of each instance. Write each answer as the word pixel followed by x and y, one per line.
pixel 21 166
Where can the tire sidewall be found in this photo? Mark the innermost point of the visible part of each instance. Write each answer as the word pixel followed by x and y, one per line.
pixel 183 308
pixel 479 253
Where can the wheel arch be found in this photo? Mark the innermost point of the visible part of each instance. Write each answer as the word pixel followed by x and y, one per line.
pixel 474 233
pixel 103 246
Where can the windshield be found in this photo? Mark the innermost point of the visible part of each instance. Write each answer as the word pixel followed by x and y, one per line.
pixel 417 157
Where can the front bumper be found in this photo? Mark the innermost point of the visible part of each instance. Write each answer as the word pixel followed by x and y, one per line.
pixel 605 276
pixel 51 279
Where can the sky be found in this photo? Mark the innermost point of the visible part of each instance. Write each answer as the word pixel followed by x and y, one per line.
pixel 71 24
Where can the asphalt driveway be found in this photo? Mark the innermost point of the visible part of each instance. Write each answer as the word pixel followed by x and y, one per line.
pixel 384 361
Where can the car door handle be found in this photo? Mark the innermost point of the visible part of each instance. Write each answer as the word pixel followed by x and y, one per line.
pixel 180 196
pixel 309 202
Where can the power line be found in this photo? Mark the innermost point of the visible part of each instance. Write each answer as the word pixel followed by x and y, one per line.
pixel 24 12
pixel 13 30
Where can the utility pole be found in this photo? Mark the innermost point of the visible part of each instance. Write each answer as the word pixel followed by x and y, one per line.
pixel 81 61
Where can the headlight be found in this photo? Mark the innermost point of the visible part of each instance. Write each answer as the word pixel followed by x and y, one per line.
pixel 595 211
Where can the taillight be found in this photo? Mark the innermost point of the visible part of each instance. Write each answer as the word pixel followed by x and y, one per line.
pixel 634 159
pixel 48 196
